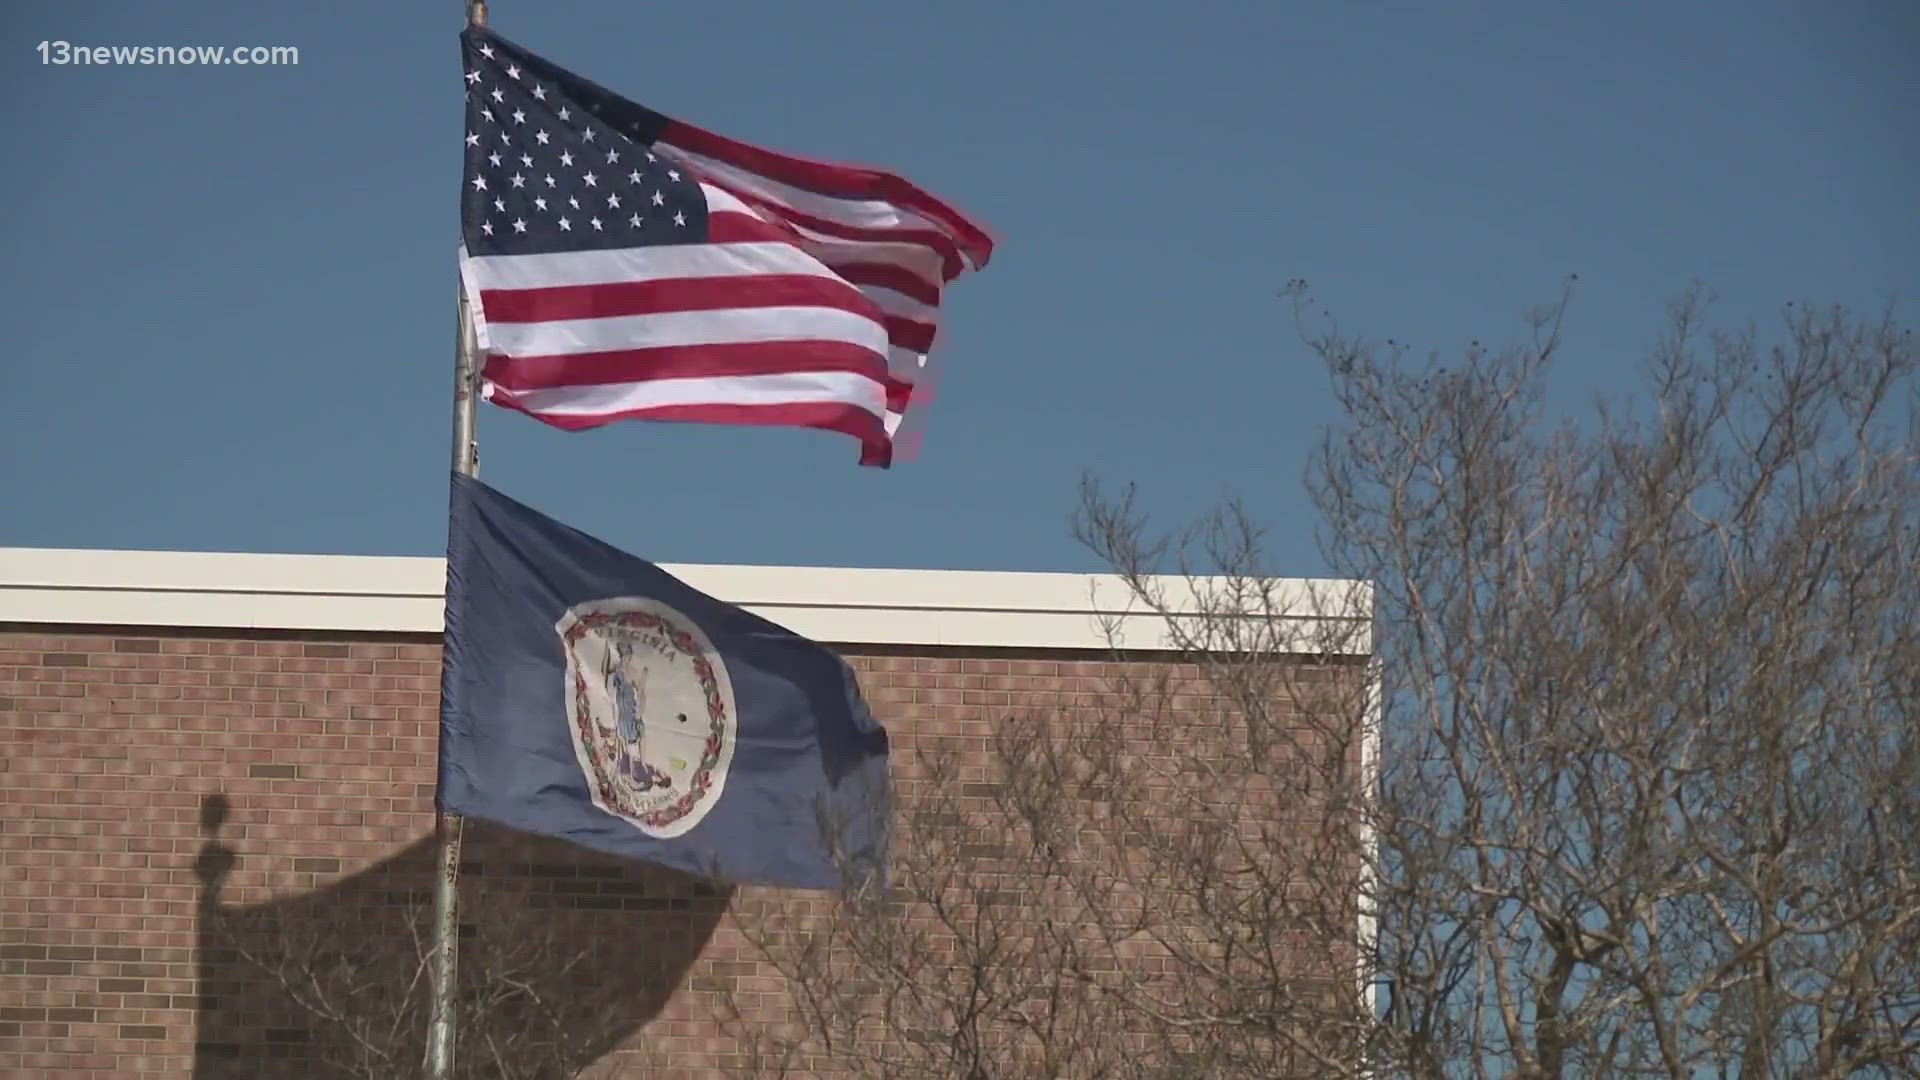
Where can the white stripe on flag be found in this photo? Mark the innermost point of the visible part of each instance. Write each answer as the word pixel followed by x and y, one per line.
pixel 858 213
pixel 900 304
pixel 905 364
pixel 624 265
pixel 727 326
pixel 826 387
pixel 922 261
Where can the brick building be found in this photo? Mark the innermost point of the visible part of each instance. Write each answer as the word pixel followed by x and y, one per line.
pixel 199 745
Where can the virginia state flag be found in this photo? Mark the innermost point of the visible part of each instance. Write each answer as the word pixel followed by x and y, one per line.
pixel 589 695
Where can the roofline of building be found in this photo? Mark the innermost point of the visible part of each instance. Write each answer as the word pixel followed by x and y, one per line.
pixel 390 594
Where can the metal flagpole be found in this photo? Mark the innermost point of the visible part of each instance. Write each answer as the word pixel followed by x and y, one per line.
pixel 447 827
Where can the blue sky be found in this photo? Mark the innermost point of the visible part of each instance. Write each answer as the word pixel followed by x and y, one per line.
pixel 231 289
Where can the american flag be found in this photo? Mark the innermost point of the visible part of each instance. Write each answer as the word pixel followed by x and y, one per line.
pixel 623 265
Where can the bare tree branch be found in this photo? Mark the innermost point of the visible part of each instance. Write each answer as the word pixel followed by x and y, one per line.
pixel 1649 773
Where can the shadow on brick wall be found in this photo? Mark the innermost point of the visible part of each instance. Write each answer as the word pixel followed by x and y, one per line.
pixel 565 954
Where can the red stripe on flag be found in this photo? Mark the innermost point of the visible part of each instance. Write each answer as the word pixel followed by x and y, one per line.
pixel 733 227
pixel 523 373
pixel 839 181
pixel 875 448
pixel 736 227
pixel 939 243
pixel 684 362
pixel 887 276
pixel 907 333
pixel 674 294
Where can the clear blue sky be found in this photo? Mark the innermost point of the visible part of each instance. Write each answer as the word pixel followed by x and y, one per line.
pixel 230 290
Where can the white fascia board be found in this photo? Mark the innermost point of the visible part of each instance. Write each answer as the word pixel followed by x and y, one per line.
pixel 389 594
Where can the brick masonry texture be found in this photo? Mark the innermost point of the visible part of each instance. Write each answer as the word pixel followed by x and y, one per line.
pixel 171 798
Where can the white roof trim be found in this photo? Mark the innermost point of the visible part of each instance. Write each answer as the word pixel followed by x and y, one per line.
pixel 400 594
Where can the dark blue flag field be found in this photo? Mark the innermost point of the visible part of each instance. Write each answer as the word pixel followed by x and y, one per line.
pixel 588 695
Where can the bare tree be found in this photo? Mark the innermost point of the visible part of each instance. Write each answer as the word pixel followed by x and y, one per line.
pixel 1652 781
pixel 1157 875
pixel 1629 789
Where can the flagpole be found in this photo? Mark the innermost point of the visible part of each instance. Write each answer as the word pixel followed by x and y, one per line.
pixel 441 1033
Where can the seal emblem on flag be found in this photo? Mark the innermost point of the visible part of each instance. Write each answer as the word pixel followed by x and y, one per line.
pixel 651 712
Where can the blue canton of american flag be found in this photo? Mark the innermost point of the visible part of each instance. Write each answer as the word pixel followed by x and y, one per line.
pixel 623 265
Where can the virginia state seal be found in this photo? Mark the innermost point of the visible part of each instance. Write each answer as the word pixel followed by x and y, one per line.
pixel 651 711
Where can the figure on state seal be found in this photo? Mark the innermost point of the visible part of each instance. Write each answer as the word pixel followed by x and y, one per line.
pixel 628 682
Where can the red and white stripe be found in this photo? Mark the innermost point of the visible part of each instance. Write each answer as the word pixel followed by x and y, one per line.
pixel 813 304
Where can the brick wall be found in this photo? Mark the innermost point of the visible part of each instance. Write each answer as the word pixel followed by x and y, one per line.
pixel 196 823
